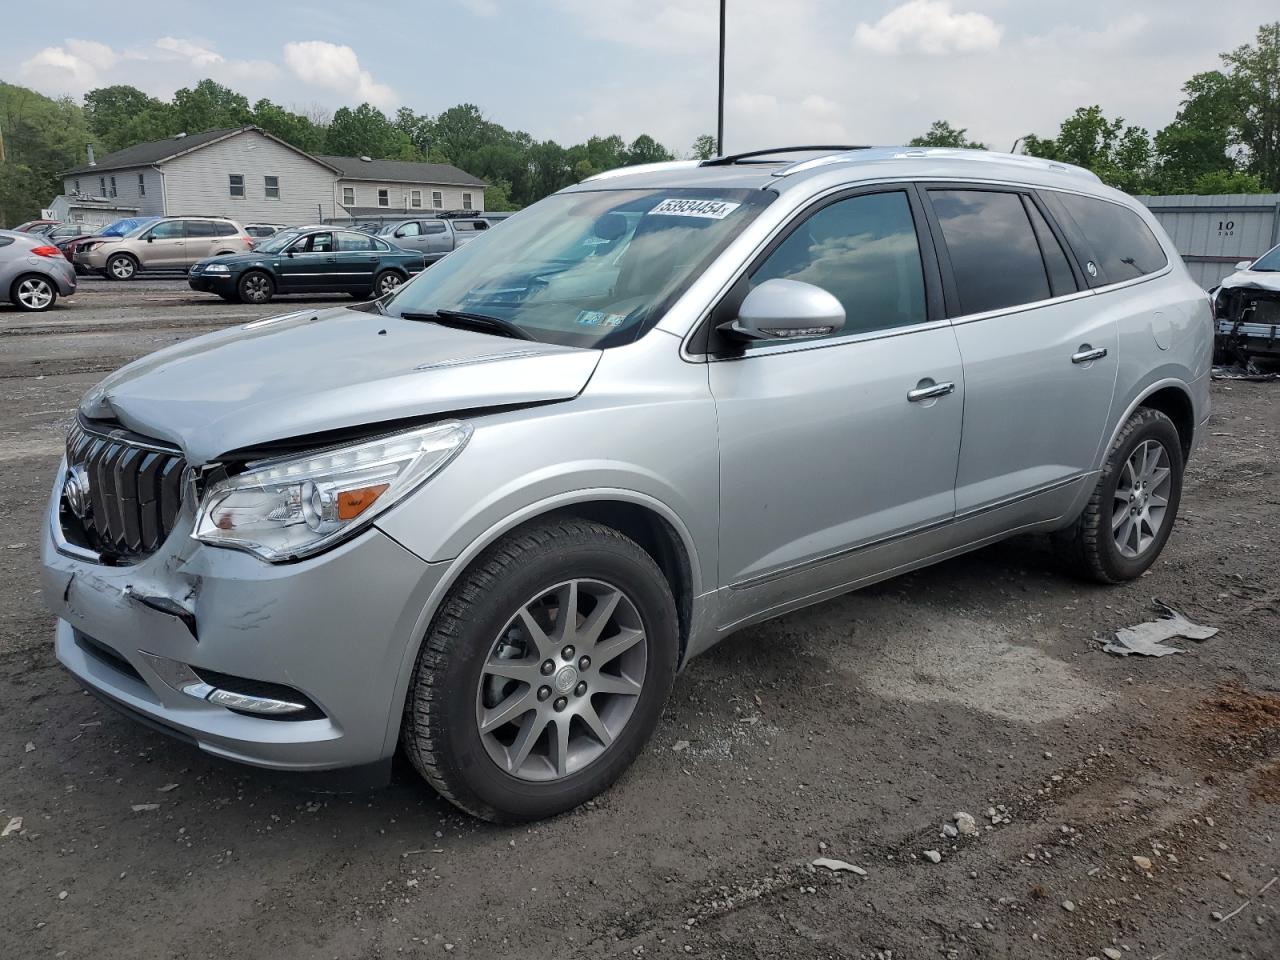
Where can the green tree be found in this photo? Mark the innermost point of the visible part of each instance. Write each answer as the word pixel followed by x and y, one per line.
pixel 290 127
pixel 1199 140
pixel 42 138
pixel 645 149
pixel 1227 181
pixel 1255 74
pixel 363 132
pixel 209 106
pixel 497 196
pixel 943 134
pixel 704 147
pixel 121 115
pixel 1119 153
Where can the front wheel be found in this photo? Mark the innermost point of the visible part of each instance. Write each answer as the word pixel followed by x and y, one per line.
pixel 255 287
pixel 121 267
pixel 544 672
pixel 1130 515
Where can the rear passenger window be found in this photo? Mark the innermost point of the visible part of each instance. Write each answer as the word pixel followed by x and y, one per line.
pixel 1061 279
pixel 1120 244
pixel 995 259
pixel 433 226
pixel 863 251
pixel 356 242
pixel 201 228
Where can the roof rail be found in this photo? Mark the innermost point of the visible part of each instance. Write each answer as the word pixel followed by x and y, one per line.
pixel 949 153
pixel 733 158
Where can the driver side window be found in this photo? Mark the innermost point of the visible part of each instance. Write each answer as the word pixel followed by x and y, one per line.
pixel 169 230
pixel 864 251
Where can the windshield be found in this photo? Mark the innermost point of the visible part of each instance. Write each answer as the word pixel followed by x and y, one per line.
pixel 1269 262
pixel 276 242
pixel 585 269
pixel 122 227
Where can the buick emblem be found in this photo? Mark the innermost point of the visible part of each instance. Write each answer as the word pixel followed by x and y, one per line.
pixel 76 491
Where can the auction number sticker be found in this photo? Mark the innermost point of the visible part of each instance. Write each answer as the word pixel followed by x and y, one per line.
pixel 707 209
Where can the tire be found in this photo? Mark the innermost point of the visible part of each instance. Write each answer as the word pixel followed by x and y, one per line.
pixel 256 287
pixel 480 626
pixel 33 293
pixel 121 266
pixel 385 282
pixel 1109 543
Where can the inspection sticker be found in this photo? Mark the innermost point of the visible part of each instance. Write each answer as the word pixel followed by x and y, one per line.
pixel 707 209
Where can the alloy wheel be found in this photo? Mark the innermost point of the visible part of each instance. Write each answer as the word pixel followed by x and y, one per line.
pixel 122 268
pixel 388 283
pixel 256 288
pixel 35 293
pixel 561 680
pixel 1141 498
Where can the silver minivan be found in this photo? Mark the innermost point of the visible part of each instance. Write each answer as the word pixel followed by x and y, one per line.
pixel 488 517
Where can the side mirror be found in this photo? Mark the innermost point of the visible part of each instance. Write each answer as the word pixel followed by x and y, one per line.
pixel 1244 264
pixel 786 310
pixel 150 238
pixel 289 253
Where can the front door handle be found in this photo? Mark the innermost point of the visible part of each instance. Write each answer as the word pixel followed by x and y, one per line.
pixel 1087 354
pixel 930 393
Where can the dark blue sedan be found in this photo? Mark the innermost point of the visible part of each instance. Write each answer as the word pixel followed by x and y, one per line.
pixel 308 260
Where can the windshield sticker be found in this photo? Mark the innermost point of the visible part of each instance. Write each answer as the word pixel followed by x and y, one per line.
pixel 598 318
pixel 707 209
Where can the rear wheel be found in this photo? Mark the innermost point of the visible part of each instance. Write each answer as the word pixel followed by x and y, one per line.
pixel 544 672
pixel 255 287
pixel 121 267
pixel 33 293
pixel 385 282
pixel 1130 515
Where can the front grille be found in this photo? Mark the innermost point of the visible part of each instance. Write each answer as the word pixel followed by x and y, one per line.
pixel 128 492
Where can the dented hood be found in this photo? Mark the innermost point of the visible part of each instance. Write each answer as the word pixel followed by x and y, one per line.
pixel 321 370
pixel 1257 279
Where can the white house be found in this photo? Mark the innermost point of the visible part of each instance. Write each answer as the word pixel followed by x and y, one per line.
pixel 251 176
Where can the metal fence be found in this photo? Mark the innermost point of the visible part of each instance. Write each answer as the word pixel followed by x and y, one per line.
pixel 1214 233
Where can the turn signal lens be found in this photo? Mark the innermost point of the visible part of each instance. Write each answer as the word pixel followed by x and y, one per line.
pixel 352 503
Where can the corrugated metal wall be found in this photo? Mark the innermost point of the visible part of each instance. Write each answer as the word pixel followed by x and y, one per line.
pixel 1213 233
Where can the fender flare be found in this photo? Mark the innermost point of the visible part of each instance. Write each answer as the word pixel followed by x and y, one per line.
pixel 479 544
pixel 1147 391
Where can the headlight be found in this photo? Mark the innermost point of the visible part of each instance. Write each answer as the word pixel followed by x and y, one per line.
pixel 217 268
pixel 290 508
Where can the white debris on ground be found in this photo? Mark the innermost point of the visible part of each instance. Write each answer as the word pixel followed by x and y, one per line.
pixel 1147 639
pixel 966 825
pixel 837 866
pixel 13 826
pixel 933 856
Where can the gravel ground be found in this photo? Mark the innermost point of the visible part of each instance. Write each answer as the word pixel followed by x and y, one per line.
pixel 1124 807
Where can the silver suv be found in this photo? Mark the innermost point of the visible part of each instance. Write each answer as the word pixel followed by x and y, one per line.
pixel 489 516
pixel 172 243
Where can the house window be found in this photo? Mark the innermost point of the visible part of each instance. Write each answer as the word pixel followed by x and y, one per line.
pixel 466 202
pixel 237 184
pixel 142 185
pixel 348 196
pixel 437 199
pixel 113 186
pixel 102 186
pixel 271 187
pixel 77 186
pixel 415 198
pixel 384 198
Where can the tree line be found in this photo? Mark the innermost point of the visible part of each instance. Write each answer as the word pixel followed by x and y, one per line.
pixel 1225 137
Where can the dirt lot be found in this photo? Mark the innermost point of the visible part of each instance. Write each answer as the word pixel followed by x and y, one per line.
pixel 853 730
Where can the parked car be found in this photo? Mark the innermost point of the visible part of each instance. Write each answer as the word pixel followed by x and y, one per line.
pixel 36 226
pixel 170 243
pixel 33 271
pixel 489 516
pixel 1247 308
pixel 433 238
pixel 312 260
pixel 118 228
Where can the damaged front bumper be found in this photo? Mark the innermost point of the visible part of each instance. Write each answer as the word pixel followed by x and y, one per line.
pixel 287 666
pixel 1247 322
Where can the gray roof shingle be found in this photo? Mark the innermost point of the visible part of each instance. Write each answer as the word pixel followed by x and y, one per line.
pixel 401 171
pixel 156 151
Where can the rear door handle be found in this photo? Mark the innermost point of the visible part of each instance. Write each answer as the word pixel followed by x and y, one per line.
pixel 930 393
pixel 1088 354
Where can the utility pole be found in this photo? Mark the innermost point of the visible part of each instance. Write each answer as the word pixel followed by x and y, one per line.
pixel 720 109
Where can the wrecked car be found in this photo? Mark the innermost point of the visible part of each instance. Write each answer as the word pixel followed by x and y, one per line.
pixel 1246 309
pixel 486 518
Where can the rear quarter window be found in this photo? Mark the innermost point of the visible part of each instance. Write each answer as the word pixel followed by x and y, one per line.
pixel 1111 236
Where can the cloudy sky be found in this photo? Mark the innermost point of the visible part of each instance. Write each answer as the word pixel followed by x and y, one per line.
pixel 831 71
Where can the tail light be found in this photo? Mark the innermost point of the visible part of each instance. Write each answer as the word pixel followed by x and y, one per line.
pixel 48 250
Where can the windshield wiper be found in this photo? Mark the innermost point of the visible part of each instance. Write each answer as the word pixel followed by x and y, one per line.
pixel 477 321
